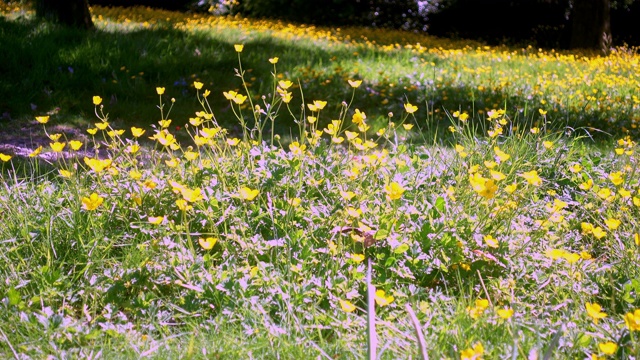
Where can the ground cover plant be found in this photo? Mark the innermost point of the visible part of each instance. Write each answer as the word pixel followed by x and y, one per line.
pixel 247 230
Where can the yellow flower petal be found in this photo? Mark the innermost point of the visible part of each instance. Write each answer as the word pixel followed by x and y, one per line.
pixel 207 243
pixel 248 193
pixel 347 306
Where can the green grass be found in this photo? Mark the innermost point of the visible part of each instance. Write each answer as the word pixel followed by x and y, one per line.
pixel 135 50
pixel 231 242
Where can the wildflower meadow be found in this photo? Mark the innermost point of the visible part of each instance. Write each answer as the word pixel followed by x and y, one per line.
pixel 253 189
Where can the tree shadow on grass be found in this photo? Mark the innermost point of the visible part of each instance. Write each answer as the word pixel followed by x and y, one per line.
pixel 55 70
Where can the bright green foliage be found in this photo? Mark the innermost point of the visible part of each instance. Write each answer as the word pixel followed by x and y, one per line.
pixel 509 236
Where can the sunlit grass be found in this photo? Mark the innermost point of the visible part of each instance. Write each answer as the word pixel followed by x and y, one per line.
pixel 218 231
pixel 138 48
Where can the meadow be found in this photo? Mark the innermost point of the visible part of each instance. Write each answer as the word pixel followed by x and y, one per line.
pixel 192 186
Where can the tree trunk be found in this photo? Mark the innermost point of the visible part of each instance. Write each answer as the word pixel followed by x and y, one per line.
pixel 591 24
pixel 68 12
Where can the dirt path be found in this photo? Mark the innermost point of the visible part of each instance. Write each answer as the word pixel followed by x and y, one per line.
pixel 19 138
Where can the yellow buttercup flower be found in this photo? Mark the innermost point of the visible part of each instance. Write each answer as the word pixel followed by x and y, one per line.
pixel 532 177
pixel 353 212
pixel 502 156
pixel 135 174
pixel 183 205
pixel 36 152
pixel 240 99
pixel 491 241
pixel 497 175
pixel 196 121
pixel 172 162
pixel 114 133
pixel 248 194
pixel 97 165
pixel 616 178
pixel 505 313
pixel 92 202
pixel 75 145
pixel 57 146
pixel 207 243
pixel 42 119
pixel 284 84
pixel 490 164
pixel 382 299
pixel 394 191
pixel 319 104
pixel 575 168
pixel 354 83
pixel 632 320
pixel 137 132
pixel 164 123
pixel 297 149
pixel 295 202
pixel 156 220
pixel 160 90
pixel 347 306
pixel 482 304
pixel 612 223
pixel 358 117
pixel 472 353
pixel 5 157
pixel 274 60
pixel 238 47
pixel 164 138
pixel 347 195
pixel 286 96
pixel 192 196
pixel 97 100
pixel 410 108
pixel 599 233
pixel 65 173
pixel 482 186
pixel 101 126
pixel 608 348
pixel 133 148
pixel 190 155
pixel 587 185
pixel 198 85
pixel 595 311
pixel 510 189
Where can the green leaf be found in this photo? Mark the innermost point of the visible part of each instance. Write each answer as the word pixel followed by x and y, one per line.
pixel 584 340
pixel 14 296
pixel 401 249
pixel 440 204
pixel 386 224
pixel 381 234
pixel 391 261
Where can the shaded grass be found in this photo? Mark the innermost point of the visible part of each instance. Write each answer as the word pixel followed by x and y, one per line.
pixel 136 50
